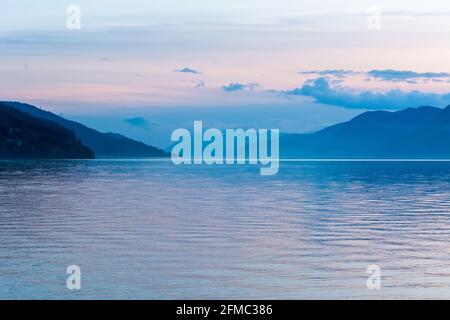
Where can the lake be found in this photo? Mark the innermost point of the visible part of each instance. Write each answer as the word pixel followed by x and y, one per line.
pixel 152 230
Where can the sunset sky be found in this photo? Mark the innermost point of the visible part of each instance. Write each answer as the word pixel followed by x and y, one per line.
pixel 142 68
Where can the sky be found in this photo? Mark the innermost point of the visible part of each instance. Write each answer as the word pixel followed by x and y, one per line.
pixel 144 68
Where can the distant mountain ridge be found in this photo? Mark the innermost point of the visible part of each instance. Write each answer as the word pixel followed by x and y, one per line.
pixel 23 136
pixel 105 145
pixel 422 132
pixel 414 133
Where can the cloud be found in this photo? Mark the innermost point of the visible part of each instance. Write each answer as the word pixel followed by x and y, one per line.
pixel 138 122
pixel 400 75
pixel 385 75
pixel 240 87
pixel 201 84
pixel 321 90
pixel 188 70
pixel 340 73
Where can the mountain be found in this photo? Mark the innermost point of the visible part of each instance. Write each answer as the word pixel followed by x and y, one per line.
pixel 26 137
pixel 422 132
pixel 105 145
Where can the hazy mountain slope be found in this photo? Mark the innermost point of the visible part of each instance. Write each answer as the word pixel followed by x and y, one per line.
pixel 430 141
pixel 104 144
pixel 410 133
pixel 25 136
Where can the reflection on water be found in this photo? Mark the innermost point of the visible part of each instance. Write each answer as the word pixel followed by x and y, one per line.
pixel 151 230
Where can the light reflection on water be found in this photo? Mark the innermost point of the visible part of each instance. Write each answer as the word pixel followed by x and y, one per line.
pixel 152 230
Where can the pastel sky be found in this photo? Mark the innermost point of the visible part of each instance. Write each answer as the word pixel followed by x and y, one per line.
pixel 143 68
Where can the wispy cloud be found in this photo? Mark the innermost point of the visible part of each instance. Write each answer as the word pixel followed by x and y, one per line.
pixel 138 122
pixel 240 87
pixel 384 75
pixel 188 70
pixel 321 90
pixel 201 84
pixel 330 72
pixel 400 75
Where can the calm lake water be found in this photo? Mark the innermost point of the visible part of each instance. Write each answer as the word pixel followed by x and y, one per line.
pixel 152 230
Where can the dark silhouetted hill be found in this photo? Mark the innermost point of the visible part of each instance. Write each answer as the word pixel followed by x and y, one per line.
pixel 23 136
pixel 105 145
pixel 411 133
